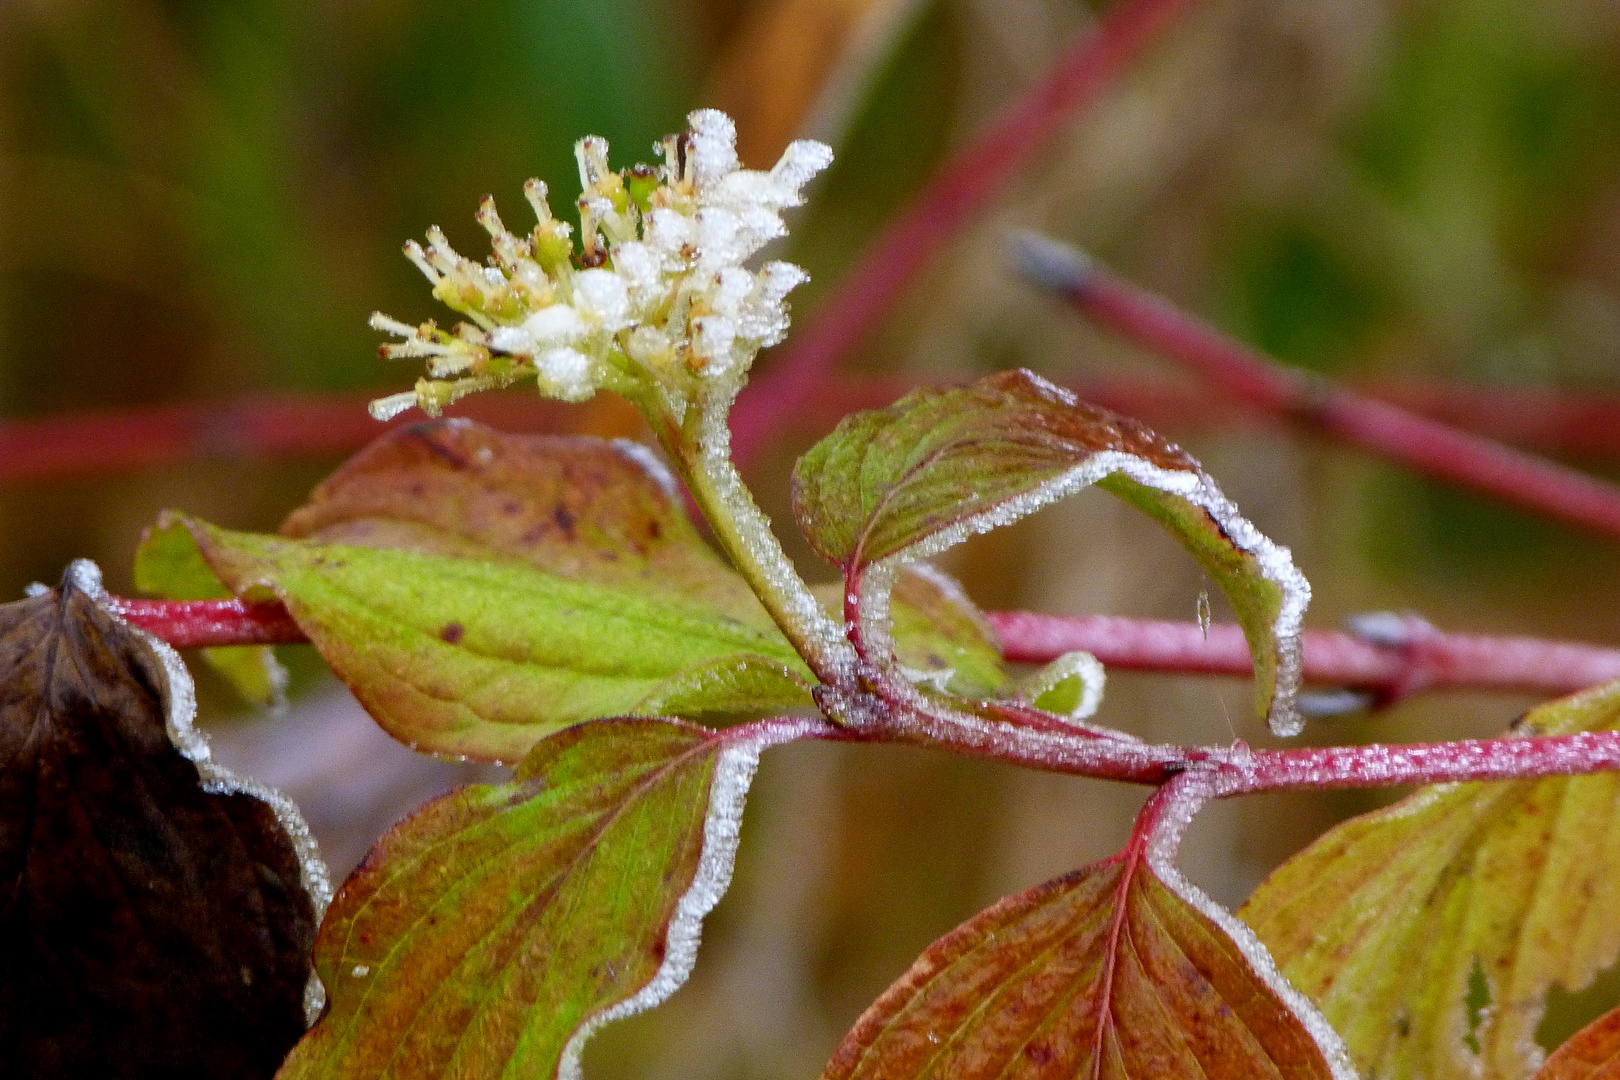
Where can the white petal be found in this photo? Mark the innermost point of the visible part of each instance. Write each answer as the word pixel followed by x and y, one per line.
pixel 388 325
pixel 600 296
pixel 712 339
pixel 800 162
pixel 566 372
pixel 511 339
pixel 718 241
pixel 668 231
pixel 558 324
pixel 714 146
pixel 639 265
pixel 731 292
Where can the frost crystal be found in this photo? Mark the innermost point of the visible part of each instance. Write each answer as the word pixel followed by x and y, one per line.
pixel 655 297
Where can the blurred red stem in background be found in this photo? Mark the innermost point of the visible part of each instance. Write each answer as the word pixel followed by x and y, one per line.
pixel 957 191
pixel 116 440
pixel 1416 657
pixel 1427 446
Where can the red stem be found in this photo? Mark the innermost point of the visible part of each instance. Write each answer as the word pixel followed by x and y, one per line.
pixel 961 187
pixel 1428 446
pixel 1380 765
pixel 1426 659
pixel 115 440
pixel 95 443
pixel 1237 770
pixel 193 624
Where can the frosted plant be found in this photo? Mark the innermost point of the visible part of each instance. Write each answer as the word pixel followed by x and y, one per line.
pixel 655 298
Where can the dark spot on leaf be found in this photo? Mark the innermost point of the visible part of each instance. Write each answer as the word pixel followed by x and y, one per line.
pixel 564 519
pixel 451 633
pixel 654 530
pixel 1039 1053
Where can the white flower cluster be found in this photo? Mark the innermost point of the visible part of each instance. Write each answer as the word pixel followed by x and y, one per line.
pixel 656 291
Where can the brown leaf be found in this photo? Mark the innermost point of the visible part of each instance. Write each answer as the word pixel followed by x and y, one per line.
pixel 578 507
pixel 1592 1053
pixel 1108 972
pixel 148 927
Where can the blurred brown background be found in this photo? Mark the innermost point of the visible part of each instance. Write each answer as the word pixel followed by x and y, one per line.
pixel 206 200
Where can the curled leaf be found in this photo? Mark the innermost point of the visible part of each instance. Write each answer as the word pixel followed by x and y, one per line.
pixel 1070 686
pixel 482 659
pixel 1118 970
pixel 492 931
pixel 156 913
pixel 892 485
pixel 1392 921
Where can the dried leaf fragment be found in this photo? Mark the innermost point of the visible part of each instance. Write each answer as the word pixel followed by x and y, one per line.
pixel 149 926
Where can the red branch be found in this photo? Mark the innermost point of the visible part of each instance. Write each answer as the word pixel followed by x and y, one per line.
pixel 194 624
pixel 116 440
pixel 1425 659
pixel 1231 771
pixel 96 443
pixel 1430 447
pixel 1421 658
pixel 961 187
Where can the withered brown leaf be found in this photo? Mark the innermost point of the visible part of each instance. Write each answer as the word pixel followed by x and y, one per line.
pixel 148 927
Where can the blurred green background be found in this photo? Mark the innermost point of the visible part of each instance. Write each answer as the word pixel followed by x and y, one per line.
pixel 206 200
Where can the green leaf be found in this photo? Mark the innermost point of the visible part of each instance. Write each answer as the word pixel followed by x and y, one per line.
pixel 167 564
pixel 492 931
pixel 1070 686
pixel 582 508
pixel 1390 920
pixel 1118 970
pixel 482 659
pixel 892 485
pixel 1593 1053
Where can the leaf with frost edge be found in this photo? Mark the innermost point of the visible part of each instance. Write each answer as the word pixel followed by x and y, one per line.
pixel 180 695
pixel 722 828
pixel 733 755
pixel 1194 487
pixel 1158 858
pixel 1469 819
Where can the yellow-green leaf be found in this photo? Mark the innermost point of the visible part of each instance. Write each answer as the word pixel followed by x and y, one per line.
pixel 482 659
pixel 488 934
pixel 582 508
pixel 1504 888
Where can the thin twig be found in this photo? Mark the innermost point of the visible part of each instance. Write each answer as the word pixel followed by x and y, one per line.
pixel 1428 446
pixel 194 624
pixel 961 187
pixel 1413 658
pixel 113 440
pixel 110 441
pixel 1409 656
